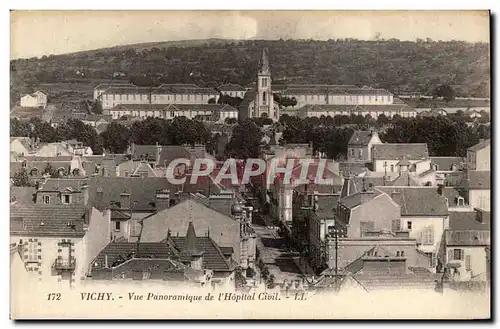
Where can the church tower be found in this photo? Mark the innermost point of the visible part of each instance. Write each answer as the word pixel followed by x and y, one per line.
pixel 264 102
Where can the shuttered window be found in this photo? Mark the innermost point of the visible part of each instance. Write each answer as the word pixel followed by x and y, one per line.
pixel 455 254
pixel 467 263
pixel 428 236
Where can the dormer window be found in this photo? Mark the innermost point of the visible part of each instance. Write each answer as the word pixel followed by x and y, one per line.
pixel 66 199
pixel 46 199
pixel 460 201
pixel 446 200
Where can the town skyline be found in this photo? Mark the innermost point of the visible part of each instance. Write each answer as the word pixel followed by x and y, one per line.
pixel 75 31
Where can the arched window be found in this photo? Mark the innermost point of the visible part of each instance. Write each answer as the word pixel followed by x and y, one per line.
pixel 392 168
pixel 264 98
pixel 34 172
pixel 76 172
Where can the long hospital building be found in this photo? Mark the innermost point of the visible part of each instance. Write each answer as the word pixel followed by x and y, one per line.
pixel 171 100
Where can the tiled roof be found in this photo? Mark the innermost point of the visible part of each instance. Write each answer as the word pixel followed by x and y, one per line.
pixel 467 238
pixel 231 87
pixel 148 152
pixel 480 145
pixel 446 163
pixel 417 201
pixel 326 204
pixel 213 257
pixel 125 89
pixel 142 190
pixel 159 269
pixel 360 137
pixel 359 198
pixel 22 195
pixel 114 84
pixel 205 107
pixel 247 100
pixel 452 194
pixel 468 220
pixel 47 220
pixel 479 179
pixel 183 89
pixel 46 159
pixel 399 151
pixel 60 184
pixel 116 251
pixel 354 168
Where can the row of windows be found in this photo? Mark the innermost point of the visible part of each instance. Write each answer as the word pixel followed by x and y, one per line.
pixel 133 97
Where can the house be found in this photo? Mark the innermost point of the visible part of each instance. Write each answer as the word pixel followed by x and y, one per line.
pixel 125 261
pixel 456 199
pixel 424 214
pixel 466 254
pixel 389 157
pixel 37 99
pixel 63 192
pixel 360 146
pixel 478 185
pixel 222 228
pixel 232 90
pixel 203 253
pixel 446 166
pixel 479 156
pixel 130 200
pixel 58 242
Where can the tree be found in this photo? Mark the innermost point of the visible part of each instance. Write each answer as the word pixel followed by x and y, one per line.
pixel 212 101
pixel 230 121
pixel 115 138
pixel 444 91
pixel 97 107
pixel 246 141
pixel 49 170
pixel 21 178
pixel 270 281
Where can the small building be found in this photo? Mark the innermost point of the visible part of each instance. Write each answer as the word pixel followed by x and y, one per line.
pixel 37 99
pixel 479 156
pixel 466 254
pixel 360 146
pixel 478 185
pixel 58 242
pixel 388 157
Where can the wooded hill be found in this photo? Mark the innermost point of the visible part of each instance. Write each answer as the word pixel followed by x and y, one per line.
pixel 399 66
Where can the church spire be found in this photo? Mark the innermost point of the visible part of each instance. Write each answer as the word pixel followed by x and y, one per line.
pixel 264 63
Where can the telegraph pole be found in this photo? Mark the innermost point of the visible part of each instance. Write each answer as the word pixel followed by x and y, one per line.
pixel 336 233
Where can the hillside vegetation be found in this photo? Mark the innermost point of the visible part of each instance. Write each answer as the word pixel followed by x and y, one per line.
pixel 398 66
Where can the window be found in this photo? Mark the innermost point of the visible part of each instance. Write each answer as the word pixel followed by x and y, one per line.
pixel 460 201
pixel 66 199
pixel 398 254
pixel 428 236
pixel 360 153
pixel 458 254
pixel 468 266
pixel 126 173
pixel 117 225
pixel 264 98
pixel 408 225
pixel 31 251
pixel 172 114
pixel 402 253
pixel 392 168
pixel 352 152
pixel 46 199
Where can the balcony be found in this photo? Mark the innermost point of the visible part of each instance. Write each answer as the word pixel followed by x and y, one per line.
pixel 65 264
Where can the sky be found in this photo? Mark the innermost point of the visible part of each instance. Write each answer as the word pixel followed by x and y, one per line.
pixel 38 33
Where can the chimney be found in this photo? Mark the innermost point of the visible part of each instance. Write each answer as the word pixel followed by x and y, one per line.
pixel 85 194
pixel 125 200
pixel 162 199
pixel 364 186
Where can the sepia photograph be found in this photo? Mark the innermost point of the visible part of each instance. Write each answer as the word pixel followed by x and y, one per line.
pixel 258 164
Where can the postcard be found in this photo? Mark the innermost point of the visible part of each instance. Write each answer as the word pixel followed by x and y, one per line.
pixel 250 165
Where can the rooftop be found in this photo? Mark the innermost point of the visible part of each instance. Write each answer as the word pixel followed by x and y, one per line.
pixel 360 138
pixel 399 151
pixel 417 201
pixel 467 238
pixel 482 144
